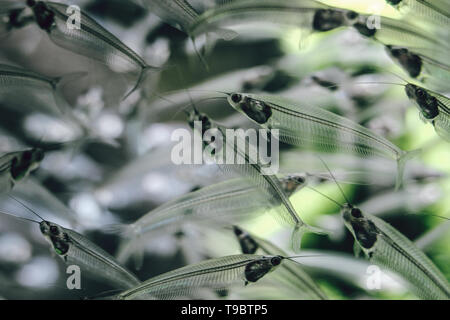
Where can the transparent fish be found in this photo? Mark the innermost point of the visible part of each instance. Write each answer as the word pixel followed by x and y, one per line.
pixel 215 274
pixel 178 13
pixel 75 249
pixel 433 107
pixel 251 168
pixel 37 92
pixel 292 275
pixel 307 126
pixel 16 166
pixel 386 246
pixel 307 15
pixel 398 33
pixel 90 39
pixel 432 68
pixel 221 203
pixel 435 11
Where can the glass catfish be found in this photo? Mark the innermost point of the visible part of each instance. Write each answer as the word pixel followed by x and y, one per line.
pixel 292 276
pixel 75 249
pixel 308 15
pixel 434 108
pixel 89 39
pixel 306 126
pixel 16 166
pixel 248 165
pixel 219 204
pixel 214 274
pixel 384 245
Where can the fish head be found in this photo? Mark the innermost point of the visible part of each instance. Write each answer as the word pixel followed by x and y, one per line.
pixel 408 60
pixel 328 19
pixel 195 116
pixel 363 230
pixel 26 162
pixel 56 236
pixel 255 109
pixel 293 183
pixel 257 269
pixel 350 17
pixel 393 2
pixel 428 105
pixel 45 17
pixel 247 243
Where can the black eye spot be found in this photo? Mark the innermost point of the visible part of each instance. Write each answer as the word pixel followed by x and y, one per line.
pixel 420 93
pixel 356 213
pixel 54 230
pixel 236 98
pixel 31 3
pixel 352 15
pixel 27 155
pixel 275 261
pixel 301 180
pixel 39 154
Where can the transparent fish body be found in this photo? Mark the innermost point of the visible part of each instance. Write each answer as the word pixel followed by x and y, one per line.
pixel 37 92
pixel 178 13
pixel 223 203
pixel 247 165
pixel 433 107
pixel 76 249
pixel 290 274
pixel 16 166
pixel 435 11
pixel 90 39
pixel 315 128
pixel 399 33
pixel 387 247
pixel 307 15
pixel 214 274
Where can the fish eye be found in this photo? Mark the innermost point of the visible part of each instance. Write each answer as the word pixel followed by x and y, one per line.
pixel 356 213
pixel 236 97
pixel 300 180
pixel 54 230
pixel 27 155
pixel 275 260
pixel 39 154
pixel 420 93
pixel 352 15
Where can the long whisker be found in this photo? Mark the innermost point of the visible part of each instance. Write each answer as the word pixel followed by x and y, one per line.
pixel 334 178
pixel 324 195
pixel 17 217
pixel 25 206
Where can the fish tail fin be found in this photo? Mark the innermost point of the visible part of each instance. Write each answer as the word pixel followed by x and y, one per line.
pixel 59 84
pixel 298 232
pixel 200 55
pixel 401 162
pixel 142 76
pixel 138 252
